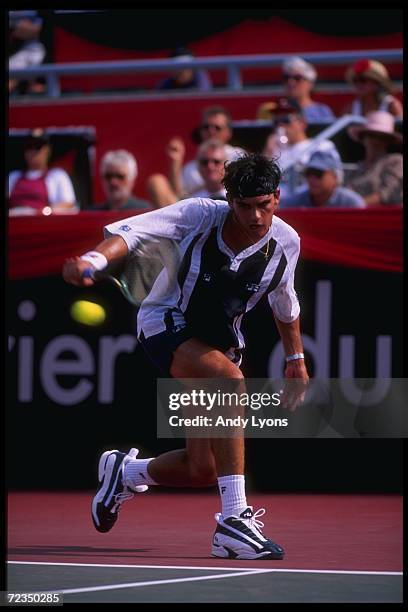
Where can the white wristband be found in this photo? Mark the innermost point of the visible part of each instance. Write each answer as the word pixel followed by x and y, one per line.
pixel 294 357
pixel 98 260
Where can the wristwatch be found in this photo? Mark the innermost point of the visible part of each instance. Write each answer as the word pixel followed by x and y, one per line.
pixel 294 357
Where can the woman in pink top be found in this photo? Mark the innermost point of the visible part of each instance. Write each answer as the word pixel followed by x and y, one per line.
pixel 38 189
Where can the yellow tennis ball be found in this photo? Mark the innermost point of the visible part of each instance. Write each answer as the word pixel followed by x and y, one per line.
pixel 88 313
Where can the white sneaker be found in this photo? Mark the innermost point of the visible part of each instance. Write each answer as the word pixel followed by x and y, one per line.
pixel 240 537
pixel 113 489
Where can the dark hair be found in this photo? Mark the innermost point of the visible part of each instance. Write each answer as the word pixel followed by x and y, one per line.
pixel 179 51
pixel 209 111
pixel 251 175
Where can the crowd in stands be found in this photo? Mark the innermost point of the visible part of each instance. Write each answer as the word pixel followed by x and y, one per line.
pixel 299 78
pixel 313 173
pixel 369 79
pixel 289 143
pixel 187 179
pixel 25 50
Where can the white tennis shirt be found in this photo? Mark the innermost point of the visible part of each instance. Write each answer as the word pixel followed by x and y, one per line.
pixel 214 288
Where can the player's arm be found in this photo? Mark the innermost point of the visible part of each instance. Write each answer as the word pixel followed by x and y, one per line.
pixel 173 222
pixel 108 251
pixel 293 345
pixel 286 309
pixel 127 235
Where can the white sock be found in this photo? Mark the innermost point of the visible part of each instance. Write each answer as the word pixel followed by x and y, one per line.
pixel 232 491
pixel 136 472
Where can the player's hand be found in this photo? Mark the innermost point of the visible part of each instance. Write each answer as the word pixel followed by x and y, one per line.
pixel 295 385
pixel 176 150
pixel 73 269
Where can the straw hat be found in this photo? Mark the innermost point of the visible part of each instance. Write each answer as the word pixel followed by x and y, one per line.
pixel 372 70
pixel 378 122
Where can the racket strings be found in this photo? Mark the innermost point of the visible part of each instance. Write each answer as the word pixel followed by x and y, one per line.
pixel 145 265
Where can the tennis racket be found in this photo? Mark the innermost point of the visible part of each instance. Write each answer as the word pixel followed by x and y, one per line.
pixel 151 269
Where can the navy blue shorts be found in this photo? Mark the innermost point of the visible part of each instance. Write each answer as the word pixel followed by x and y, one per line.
pixel 160 347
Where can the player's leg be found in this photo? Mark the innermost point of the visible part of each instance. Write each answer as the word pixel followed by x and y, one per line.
pixel 193 466
pixel 121 474
pixel 238 534
pixel 202 460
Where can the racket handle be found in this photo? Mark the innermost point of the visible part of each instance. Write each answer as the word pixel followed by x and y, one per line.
pixel 89 273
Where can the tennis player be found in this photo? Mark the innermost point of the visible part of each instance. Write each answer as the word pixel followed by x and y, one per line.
pixel 233 254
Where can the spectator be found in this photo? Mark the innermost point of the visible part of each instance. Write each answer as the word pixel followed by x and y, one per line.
pixel 324 175
pixel 299 78
pixel 373 89
pixel 290 144
pixel 185 180
pixel 25 50
pixel 215 123
pixel 378 177
pixel 37 188
pixel 118 171
pixel 186 78
pixel 211 157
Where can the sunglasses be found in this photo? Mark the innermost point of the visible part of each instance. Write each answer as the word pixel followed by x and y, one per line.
pixel 293 77
pixel 314 172
pixel 362 79
pixel 283 120
pixel 218 128
pixel 286 120
pixel 206 161
pixel 112 175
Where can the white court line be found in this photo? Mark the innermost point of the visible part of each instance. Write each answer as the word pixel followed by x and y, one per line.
pixel 189 567
pixel 131 585
pixel 219 569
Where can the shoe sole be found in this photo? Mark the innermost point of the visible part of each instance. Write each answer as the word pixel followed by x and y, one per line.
pixel 223 552
pixel 105 468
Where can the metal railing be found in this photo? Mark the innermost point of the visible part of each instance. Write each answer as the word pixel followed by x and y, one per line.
pixel 232 64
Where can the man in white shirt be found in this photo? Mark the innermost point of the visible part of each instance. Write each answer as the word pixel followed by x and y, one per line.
pixel 290 144
pixel 211 158
pixel 185 180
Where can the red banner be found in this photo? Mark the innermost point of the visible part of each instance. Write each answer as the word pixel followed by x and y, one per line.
pixel 369 239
